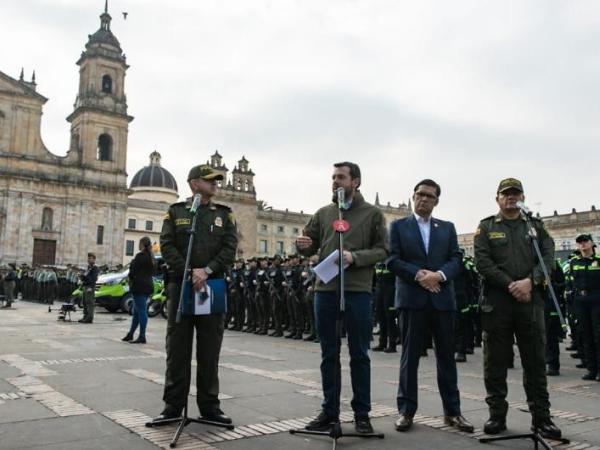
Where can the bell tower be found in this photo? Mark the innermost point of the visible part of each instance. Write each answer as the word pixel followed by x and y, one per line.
pixel 99 122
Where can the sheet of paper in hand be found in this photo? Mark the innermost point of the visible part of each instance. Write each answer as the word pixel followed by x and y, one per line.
pixel 212 300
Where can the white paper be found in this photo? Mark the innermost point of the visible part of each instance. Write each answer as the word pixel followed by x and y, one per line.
pixel 202 307
pixel 328 269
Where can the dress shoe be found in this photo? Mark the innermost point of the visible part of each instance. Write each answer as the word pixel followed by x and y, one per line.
pixel 322 422
pixel 551 372
pixel 547 429
pixel 310 337
pixel 215 415
pixel 493 426
pixel 424 353
pixel 168 413
pixel 362 425
pixel 290 335
pixel 404 422
pixel 84 321
pixel 139 340
pixel 571 348
pixel 390 350
pixel 128 337
pixel 460 357
pixel 298 336
pixel 459 422
pixel 469 351
pixel 276 333
pixel 576 356
pixel 589 375
pixel 378 348
pixel 580 366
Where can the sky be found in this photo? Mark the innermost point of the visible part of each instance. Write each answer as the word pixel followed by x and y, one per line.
pixel 463 92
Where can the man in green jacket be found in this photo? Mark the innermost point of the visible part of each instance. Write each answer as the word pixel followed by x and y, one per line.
pixel 364 245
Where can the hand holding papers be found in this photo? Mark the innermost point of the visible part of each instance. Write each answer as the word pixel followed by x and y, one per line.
pixel 328 269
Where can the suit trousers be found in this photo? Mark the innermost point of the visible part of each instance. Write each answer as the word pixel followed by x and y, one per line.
pixel 415 323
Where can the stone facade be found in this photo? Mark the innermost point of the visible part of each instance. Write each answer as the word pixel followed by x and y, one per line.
pixel 53 209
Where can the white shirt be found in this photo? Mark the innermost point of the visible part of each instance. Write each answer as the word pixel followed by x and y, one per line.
pixel 425 229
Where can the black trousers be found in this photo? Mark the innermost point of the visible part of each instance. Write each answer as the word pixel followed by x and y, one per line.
pixel 415 323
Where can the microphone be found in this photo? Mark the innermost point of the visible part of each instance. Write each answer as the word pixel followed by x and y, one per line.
pixel 524 209
pixel 196 203
pixel 341 197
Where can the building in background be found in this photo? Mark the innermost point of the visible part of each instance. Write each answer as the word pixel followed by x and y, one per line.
pixel 53 209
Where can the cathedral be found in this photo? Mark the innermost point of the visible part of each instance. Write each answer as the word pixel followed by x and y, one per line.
pixel 56 209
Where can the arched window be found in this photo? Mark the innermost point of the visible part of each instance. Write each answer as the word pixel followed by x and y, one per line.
pixel 107 84
pixel 104 150
pixel 47 217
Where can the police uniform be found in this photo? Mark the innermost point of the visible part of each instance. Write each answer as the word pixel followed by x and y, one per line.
pixel 214 250
pixel 504 253
pixel 88 285
pixel 277 293
pixel 385 289
pixel 584 284
pixel 554 332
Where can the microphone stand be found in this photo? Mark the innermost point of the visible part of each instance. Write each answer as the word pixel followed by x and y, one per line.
pixel 336 432
pixel 185 420
pixel 535 435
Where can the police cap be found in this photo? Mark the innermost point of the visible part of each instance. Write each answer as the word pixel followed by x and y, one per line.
pixel 584 237
pixel 204 171
pixel 509 183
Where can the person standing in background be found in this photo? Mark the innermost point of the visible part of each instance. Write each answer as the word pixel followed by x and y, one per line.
pixel 141 287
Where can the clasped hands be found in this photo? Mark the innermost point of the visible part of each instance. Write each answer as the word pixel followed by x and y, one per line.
pixel 429 280
pixel 521 290
pixel 199 277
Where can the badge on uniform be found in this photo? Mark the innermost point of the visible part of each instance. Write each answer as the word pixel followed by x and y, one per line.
pixel 218 221
pixel 211 300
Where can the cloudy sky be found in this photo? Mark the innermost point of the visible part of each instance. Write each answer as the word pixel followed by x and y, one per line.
pixel 464 92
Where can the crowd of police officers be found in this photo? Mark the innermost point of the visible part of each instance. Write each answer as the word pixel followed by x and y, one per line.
pixel 275 296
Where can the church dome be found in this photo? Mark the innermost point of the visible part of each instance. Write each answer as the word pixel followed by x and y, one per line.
pixel 154 176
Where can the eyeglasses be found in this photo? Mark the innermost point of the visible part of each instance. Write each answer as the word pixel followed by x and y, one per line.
pixel 426 195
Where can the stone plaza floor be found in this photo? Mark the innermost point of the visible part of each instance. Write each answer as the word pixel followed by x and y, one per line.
pixel 65 385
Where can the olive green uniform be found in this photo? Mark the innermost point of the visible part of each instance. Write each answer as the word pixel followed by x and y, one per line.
pixel 504 253
pixel 214 247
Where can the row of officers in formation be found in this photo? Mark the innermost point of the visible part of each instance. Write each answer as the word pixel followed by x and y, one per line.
pixel 275 296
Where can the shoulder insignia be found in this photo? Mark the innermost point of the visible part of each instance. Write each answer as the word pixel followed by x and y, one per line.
pixel 478 231
pixel 167 216
pixel 231 218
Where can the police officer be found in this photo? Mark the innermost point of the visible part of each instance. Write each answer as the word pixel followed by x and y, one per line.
pixel 554 332
pixel 513 305
pixel 277 294
pixel 385 288
pixel 88 282
pixel 250 297
pixel 294 283
pixel 237 290
pixel 585 289
pixel 263 299
pixel 212 253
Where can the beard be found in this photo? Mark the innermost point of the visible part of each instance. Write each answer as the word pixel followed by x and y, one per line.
pixel 348 193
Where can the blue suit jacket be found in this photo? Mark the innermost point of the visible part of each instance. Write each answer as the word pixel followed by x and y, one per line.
pixel 408 256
